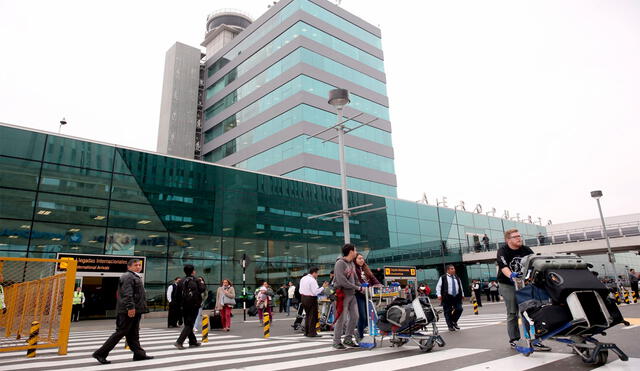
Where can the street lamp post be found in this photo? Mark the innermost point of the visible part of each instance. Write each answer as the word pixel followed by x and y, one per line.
pixel 612 259
pixel 62 123
pixel 339 98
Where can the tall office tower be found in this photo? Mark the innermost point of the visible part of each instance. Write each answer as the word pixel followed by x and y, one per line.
pixel 266 93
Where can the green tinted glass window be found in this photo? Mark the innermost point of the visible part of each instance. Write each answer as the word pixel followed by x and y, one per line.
pixel 16 203
pixel 70 209
pixel 75 181
pixel 126 188
pixel 332 179
pixel 134 216
pixel 122 241
pixel 17 173
pixel 78 153
pixel 55 237
pixel 14 236
pixel 21 143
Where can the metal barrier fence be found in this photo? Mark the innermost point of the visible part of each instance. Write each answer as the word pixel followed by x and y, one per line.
pixel 33 292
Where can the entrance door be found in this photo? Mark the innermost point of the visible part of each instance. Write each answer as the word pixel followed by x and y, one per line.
pixel 100 297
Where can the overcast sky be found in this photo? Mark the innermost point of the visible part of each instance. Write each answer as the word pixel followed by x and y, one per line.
pixel 518 105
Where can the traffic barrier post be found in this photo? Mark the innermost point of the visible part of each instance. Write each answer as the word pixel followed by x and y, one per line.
pixel 267 324
pixel 205 328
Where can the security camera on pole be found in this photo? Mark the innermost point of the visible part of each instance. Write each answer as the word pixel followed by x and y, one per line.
pixel 339 98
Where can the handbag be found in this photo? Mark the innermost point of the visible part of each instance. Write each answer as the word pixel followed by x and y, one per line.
pixel 228 301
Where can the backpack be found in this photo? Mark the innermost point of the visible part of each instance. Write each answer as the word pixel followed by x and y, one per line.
pixel 189 295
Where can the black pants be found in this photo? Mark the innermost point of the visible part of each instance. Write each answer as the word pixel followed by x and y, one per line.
pixel 494 296
pixel 75 312
pixel 478 297
pixel 128 328
pixel 283 303
pixel 634 288
pixel 452 308
pixel 174 317
pixel 310 305
pixel 190 315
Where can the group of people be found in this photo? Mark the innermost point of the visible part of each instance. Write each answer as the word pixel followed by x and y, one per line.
pixel 490 289
pixel 186 297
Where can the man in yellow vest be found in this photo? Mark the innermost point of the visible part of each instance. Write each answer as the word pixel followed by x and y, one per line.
pixel 78 301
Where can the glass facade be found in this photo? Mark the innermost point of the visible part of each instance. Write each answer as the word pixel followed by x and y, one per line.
pixel 60 194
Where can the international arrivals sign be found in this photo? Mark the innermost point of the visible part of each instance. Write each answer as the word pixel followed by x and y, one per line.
pixel 399 271
pixel 98 263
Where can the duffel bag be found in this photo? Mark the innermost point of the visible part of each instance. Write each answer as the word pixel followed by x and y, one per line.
pixel 549 318
pixel 559 283
pixel 531 297
pixel 401 315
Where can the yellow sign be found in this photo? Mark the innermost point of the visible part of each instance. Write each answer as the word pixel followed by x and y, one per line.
pixel 63 263
pixel 399 271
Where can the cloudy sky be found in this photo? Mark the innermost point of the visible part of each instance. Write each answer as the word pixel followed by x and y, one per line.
pixel 518 105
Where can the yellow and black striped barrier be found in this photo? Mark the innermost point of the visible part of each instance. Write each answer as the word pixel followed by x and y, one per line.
pixel 33 338
pixel 475 306
pixel 318 323
pixel 126 345
pixel 617 298
pixel 267 324
pixel 626 297
pixel 205 328
pixel 635 297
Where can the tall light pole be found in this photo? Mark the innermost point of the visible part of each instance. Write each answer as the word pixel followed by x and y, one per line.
pixel 612 258
pixel 62 122
pixel 339 98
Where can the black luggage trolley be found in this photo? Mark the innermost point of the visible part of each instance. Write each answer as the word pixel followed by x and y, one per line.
pixel 560 299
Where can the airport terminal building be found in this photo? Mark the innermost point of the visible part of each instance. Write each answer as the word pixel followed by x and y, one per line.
pixel 60 194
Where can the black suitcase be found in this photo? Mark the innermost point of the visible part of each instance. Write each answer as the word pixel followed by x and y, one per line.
pixel 549 318
pixel 559 283
pixel 614 311
pixel 215 323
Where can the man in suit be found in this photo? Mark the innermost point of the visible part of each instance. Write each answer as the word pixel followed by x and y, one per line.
pixel 130 306
pixel 174 317
pixel 449 291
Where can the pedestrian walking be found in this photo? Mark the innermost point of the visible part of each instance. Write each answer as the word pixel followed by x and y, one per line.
pixel 225 300
pixel 493 289
pixel 633 281
pixel 476 286
pixel 130 305
pixel 264 294
pixel 291 294
pixel 364 275
pixel 309 292
pixel 190 292
pixel 198 324
pixel 78 303
pixel 450 293
pixel 283 296
pixel 174 317
pixel 345 283
pixel 509 264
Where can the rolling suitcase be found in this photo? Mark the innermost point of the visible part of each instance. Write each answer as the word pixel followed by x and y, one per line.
pixel 215 323
pixel 549 318
pixel 559 283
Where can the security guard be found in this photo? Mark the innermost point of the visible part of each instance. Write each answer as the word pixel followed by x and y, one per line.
pixel 78 302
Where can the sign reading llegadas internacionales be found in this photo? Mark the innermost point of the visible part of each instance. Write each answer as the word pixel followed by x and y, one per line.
pixel 399 271
pixel 99 263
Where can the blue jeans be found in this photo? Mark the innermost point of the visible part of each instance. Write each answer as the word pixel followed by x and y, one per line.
pixel 287 307
pixel 363 318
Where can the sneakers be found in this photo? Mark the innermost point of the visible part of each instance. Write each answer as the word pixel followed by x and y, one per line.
pixel 179 346
pixel 513 344
pixel 339 346
pixel 350 343
pixel 541 347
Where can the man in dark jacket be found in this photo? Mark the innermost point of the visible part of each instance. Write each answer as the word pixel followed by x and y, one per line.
pixel 189 295
pixel 450 293
pixel 130 306
pixel 174 317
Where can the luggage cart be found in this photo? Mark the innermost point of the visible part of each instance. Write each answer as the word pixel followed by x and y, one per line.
pixel 423 330
pixel 588 309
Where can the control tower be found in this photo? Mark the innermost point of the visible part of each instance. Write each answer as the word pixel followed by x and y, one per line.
pixel 222 26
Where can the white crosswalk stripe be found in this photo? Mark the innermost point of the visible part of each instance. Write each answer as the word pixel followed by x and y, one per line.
pixel 286 352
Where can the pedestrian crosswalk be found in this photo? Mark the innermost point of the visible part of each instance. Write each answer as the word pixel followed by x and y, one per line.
pixel 232 352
